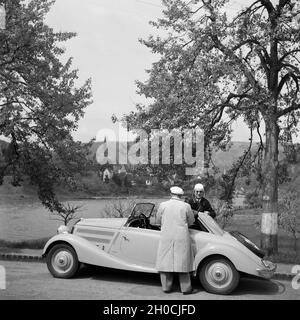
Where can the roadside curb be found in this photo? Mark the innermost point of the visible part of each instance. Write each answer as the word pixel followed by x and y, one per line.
pixel 283 276
pixel 21 257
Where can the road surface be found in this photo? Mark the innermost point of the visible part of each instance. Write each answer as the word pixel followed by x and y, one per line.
pixel 32 281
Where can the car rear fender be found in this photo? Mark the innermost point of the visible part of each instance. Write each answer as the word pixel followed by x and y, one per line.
pixel 89 253
pixel 242 262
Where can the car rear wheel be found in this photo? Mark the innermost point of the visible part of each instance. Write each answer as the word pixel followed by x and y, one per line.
pixel 62 261
pixel 218 275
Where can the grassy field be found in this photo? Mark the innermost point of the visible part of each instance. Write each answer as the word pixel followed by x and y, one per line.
pixel 247 225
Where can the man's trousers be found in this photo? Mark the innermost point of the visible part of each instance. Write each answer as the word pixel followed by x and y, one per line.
pixel 167 278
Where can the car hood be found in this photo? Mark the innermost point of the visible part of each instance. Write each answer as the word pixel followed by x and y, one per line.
pixel 114 223
pixel 210 223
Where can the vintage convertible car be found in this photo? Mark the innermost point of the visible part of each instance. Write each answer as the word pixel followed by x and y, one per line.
pixel 131 244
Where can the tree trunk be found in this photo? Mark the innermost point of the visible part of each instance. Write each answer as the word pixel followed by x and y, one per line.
pixel 295 243
pixel 269 222
pixel 206 157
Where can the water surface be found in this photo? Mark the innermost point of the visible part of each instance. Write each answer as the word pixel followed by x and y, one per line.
pixel 25 220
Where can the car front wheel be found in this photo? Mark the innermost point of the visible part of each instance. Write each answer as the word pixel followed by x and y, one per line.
pixel 218 275
pixel 62 261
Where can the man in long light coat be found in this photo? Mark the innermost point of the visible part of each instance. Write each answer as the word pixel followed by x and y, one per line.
pixel 175 253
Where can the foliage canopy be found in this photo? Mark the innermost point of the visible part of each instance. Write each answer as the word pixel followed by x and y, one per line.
pixel 40 104
pixel 216 67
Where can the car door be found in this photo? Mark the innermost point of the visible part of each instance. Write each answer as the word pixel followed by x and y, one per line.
pixel 139 246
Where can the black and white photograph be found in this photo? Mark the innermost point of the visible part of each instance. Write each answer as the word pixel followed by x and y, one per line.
pixel 149 153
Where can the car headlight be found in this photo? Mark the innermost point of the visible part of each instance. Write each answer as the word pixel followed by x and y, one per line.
pixel 267 264
pixel 63 229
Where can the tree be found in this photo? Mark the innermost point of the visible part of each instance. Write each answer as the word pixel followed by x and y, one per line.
pixel 40 104
pixel 224 212
pixel 119 208
pixel 215 68
pixel 289 214
pixel 67 213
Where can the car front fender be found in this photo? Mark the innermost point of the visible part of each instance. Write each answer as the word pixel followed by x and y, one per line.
pixel 71 239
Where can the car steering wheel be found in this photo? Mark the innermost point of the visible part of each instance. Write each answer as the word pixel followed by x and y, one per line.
pixel 144 221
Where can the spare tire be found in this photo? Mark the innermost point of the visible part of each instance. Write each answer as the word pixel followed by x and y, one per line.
pixel 248 243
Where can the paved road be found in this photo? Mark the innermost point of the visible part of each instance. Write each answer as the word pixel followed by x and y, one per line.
pixel 33 281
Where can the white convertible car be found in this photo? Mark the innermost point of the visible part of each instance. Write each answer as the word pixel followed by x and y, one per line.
pixel 131 244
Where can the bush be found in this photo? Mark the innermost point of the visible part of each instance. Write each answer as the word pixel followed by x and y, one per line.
pixel 289 215
pixel 224 212
pixel 66 213
pixel 253 200
pixel 24 244
pixel 119 208
pixel 117 180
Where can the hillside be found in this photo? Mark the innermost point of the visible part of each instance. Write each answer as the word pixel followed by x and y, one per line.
pixel 222 159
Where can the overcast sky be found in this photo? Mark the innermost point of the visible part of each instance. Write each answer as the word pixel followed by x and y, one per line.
pixel 107 50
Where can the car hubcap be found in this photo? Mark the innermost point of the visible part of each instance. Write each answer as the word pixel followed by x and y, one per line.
pixel 62 261
pixel 218 275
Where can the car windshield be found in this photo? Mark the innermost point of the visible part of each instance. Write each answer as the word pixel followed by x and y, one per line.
pixel 142 208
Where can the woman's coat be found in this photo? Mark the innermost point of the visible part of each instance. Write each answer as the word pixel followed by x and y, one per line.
pixel 175 253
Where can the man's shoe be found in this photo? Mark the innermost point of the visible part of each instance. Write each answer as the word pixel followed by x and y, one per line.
pixel 189 292
pixel 167 291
